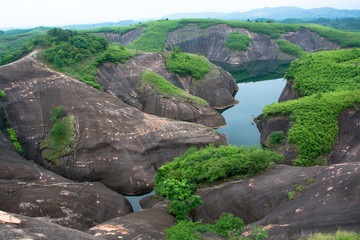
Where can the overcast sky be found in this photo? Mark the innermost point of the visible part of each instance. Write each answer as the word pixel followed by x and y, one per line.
pixel 31 13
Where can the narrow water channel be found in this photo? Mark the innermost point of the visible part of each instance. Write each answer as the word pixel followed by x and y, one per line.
pixel 240 128
pixel 253 96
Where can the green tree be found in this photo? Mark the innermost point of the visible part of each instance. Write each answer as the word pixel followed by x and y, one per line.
pixel 58 62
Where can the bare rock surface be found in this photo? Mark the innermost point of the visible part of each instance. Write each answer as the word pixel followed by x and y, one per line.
pixel 14 226
pixel 329 202
pixel 123 39
pixel 217 88
pixel 117 144
pixel 30 190
pixel 288 93
pixel 143 224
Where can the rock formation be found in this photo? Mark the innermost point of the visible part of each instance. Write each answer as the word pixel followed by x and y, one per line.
pixel 144 224
pixel 117 144
pixel 217 88
pixel 325 203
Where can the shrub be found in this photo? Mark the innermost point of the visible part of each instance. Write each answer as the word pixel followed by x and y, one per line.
pixel 238 41
pixel 228 226
pixel 57 113
pixel 187 64
pixel 291 195
pixel 276 137
pixel 15 141
pixel 165 88
pixel 290 48
pixel 61 140
pixel 2 95
pixel 184 230
pixel 310 181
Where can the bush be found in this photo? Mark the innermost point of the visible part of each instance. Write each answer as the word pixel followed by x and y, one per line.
pixel 276 137
pixel 238 41
pixel 15 141
pixel 61 140
pixel 184 230
pixel 216 163
pixel 289 48
pixel 57 113
pixel 2 95
pixel 166 89
pixel 228 226
pixel 187 64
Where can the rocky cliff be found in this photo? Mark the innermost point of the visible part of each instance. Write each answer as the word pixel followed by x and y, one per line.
pixel 123 39
pixel 211 41
pixel 117 144
pixel 217 88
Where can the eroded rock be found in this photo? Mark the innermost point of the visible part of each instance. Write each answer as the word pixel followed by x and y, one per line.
pixel 144 224
pixel 117 144
pixel 327 203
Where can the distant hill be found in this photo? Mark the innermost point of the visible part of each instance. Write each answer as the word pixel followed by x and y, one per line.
pixel 276 13
pixel 100 25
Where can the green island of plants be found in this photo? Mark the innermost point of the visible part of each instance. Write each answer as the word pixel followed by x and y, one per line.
pixel 290 48
pixel 62 137
pixel 330 83
pixel 166 89
pixel 238 41
pixel 178 180
pixel 79 54
pixel 187 64
pixel 2 95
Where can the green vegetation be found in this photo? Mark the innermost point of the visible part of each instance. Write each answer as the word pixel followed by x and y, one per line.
pixel 339 235
pixel 155 33
pixel 212 163
pixel 226 226
pixel 289 48
pixel 57 113
pixel 326 72
pixel 16 43
pixel 166 89
pixel 310 181
pixel 187 64
pixel 79 54
pixel 315 124
pixel 2 95
pixel 62 137
pixel 330 83
pixel 238 41
pixel 291 195
pixel 276 137
pixel 15 141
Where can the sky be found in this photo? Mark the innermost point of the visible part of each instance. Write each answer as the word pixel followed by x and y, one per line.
pixel 32 13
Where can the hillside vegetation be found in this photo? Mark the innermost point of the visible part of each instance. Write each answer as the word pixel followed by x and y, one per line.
pixel 330 82
pixel 155 32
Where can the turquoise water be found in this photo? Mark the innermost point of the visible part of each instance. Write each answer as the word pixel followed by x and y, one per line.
pixel 253 96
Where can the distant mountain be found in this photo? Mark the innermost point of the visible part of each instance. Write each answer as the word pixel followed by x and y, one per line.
pixel 100 25
pixel 276 13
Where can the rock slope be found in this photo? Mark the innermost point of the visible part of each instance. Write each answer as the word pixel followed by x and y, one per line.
pixel 117 144
pixel 217 88
pixel 328 202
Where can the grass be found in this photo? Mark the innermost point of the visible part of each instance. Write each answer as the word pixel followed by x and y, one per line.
pixel 2 95
pixel 61 140
pixel 166 89
pixel 289 48
pixel 187 64
pixel 238 41
pixel 338 235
